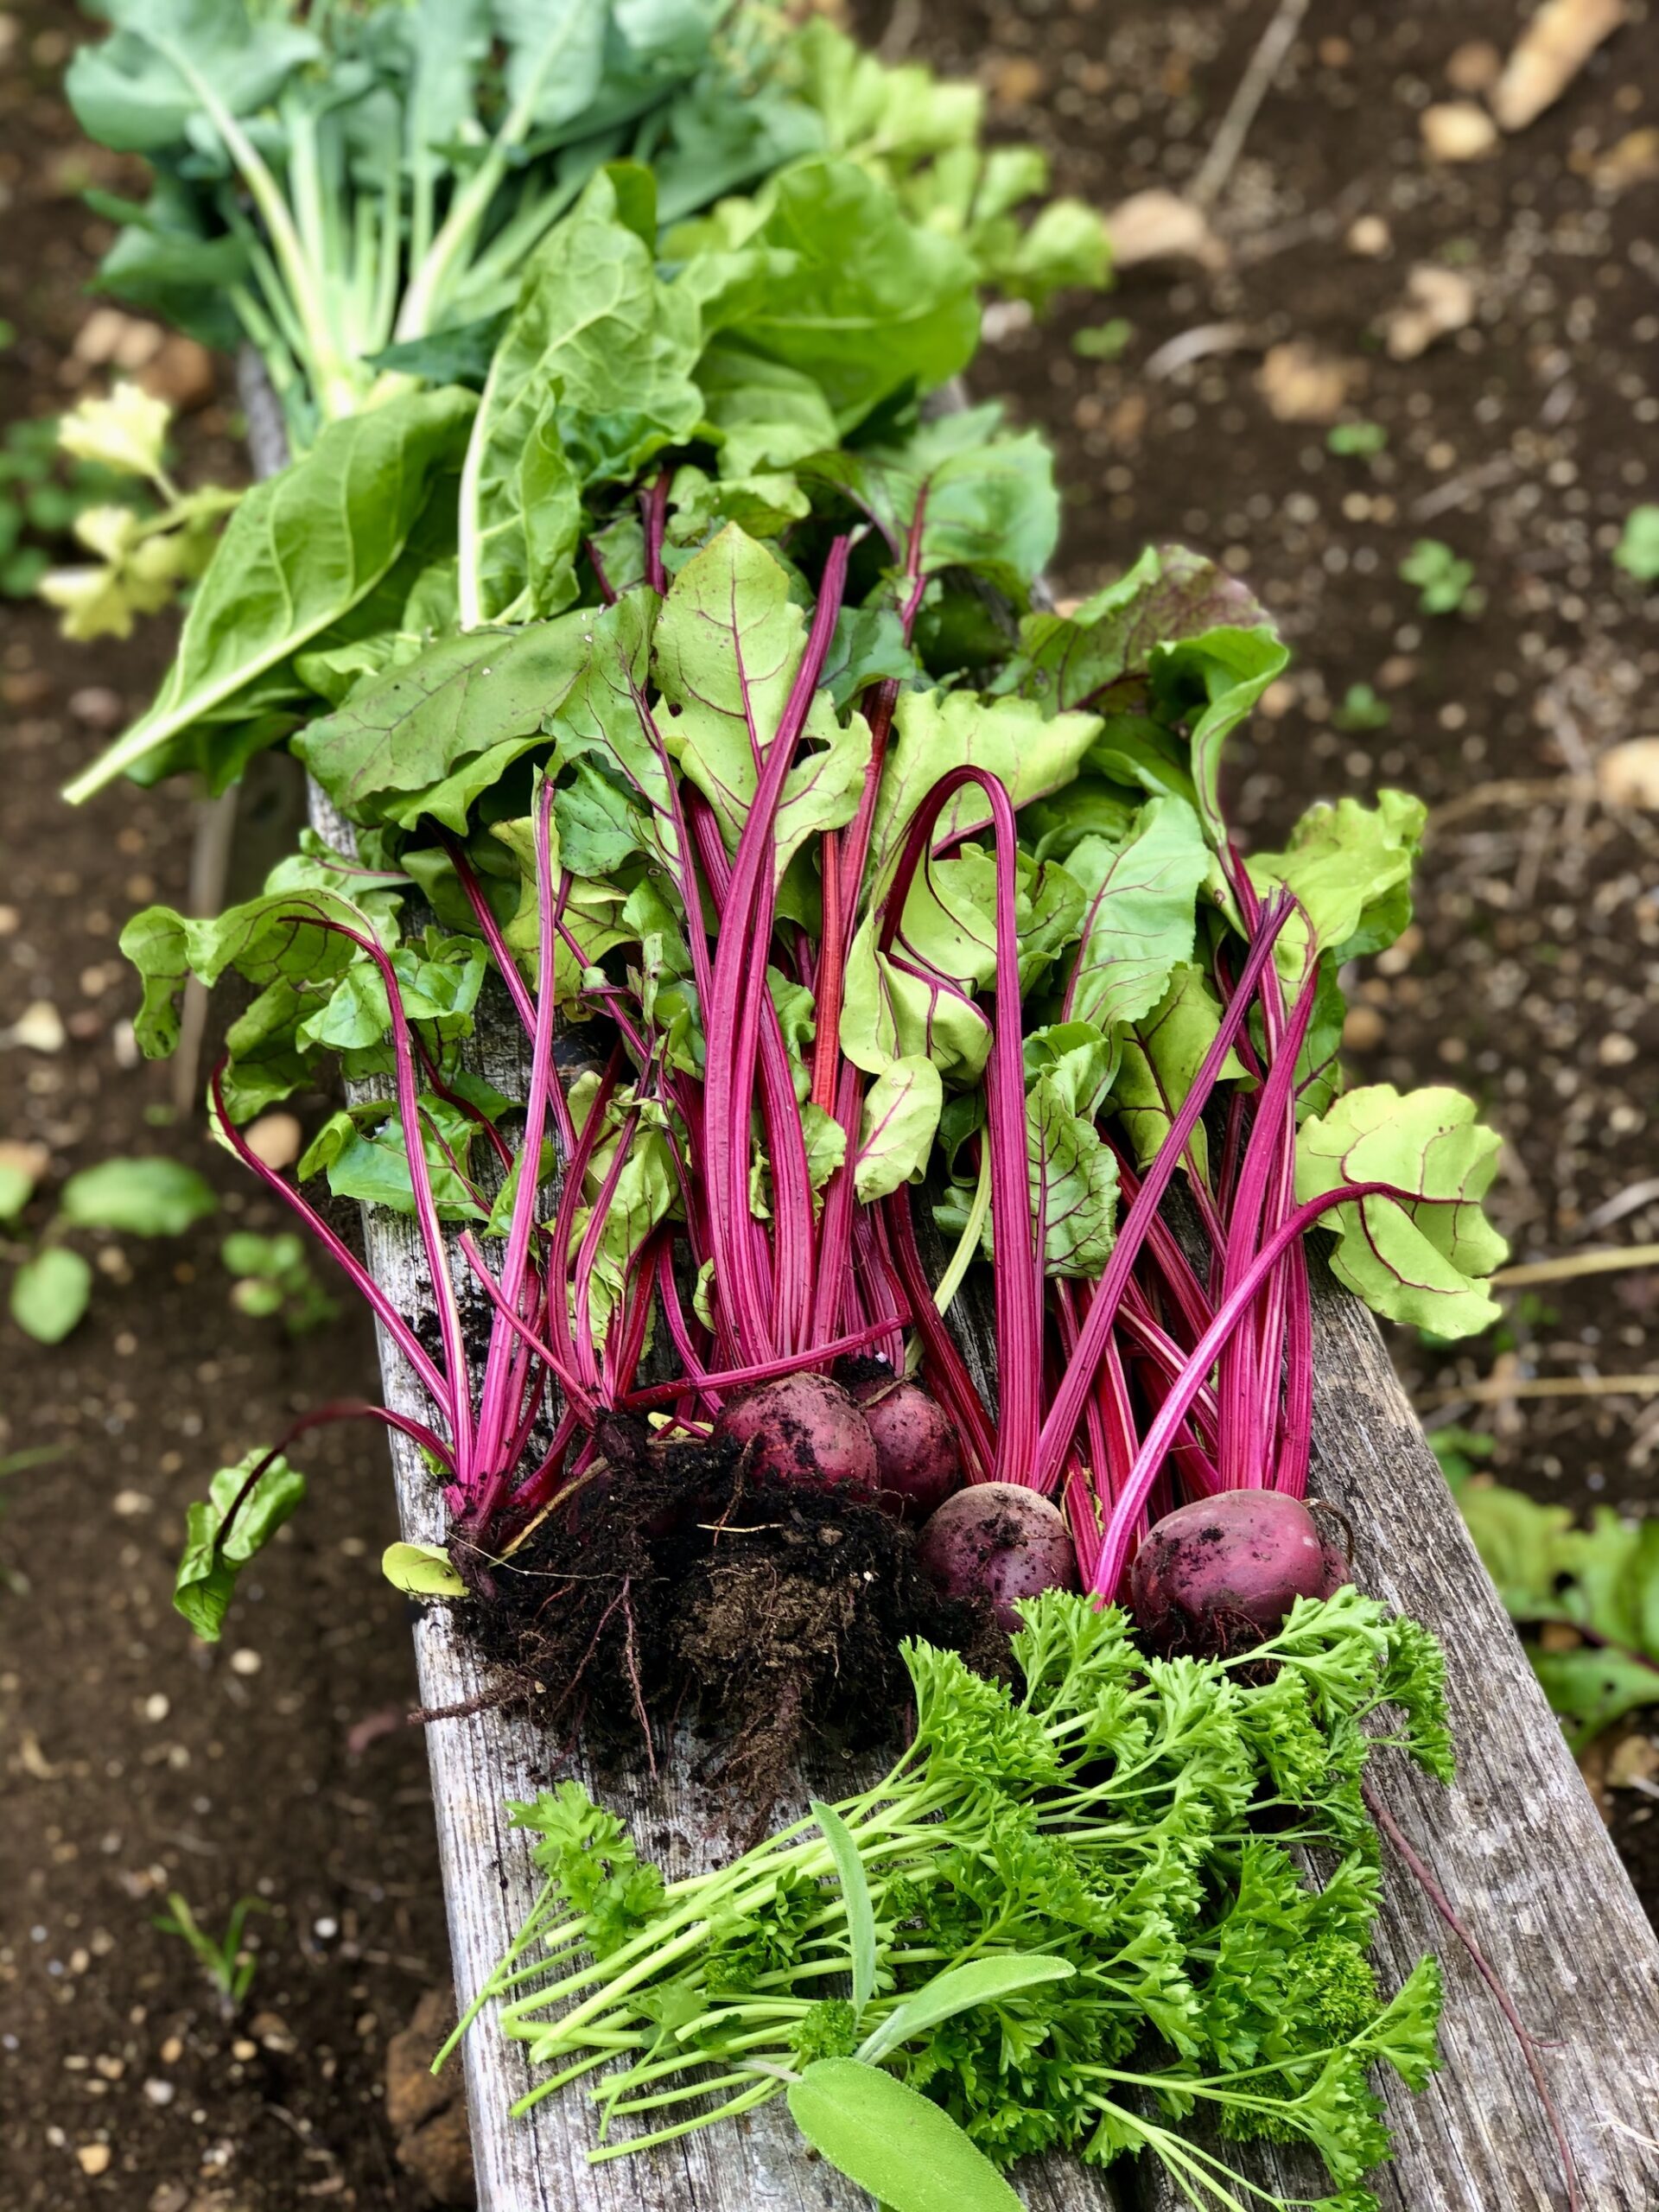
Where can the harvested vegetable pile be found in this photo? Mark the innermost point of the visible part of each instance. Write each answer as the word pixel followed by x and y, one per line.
pixel 1069 1917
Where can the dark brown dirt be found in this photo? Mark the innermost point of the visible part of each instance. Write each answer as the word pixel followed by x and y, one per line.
pixel 677 1583
pixel 135 1762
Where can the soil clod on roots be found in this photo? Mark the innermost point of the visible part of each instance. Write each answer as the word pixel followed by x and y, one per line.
pixel 670 1582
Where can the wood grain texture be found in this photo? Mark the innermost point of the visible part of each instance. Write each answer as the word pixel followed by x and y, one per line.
pixel 1517 1844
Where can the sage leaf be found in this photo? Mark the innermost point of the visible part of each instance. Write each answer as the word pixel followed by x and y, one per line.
pixel 894 2141
pixel 981 1981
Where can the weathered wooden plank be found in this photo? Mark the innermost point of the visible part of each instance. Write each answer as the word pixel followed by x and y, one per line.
pixel 1517 1844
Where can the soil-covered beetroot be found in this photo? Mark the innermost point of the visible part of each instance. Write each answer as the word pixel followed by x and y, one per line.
pixel 917 1464
pixel 802 1430
pixel 674 1583
pixel 1216 1576
pixel 998 1541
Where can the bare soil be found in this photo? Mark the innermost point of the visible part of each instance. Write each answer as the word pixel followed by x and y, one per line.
pixel 276 1767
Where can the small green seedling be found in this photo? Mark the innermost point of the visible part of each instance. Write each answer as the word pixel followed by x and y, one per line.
pixel 1461 1450
pixel 18 1463
pixel 226 1960
pixel 274 1278
pixel 1357 440
pixel 1637 552
pixel 145 551
pixel 53 1284
pixel 1362 709
pixel 1446 584
pixel 1103 341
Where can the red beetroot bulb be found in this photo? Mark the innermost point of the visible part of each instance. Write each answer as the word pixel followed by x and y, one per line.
pixel 805 1432
pixel 918 1465
pixel 1218 1576
pixel 998 1541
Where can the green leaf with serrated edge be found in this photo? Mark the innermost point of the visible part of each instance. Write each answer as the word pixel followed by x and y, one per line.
pixel 936 731
pixel 1349 867
pixel 299 553
pixel 894 2141
pixel 485 693
pixel 958 1989
pixel 901 1114
pixel 285 937
pixel 1067 661
pixel 763 505
pixel 1415 1262
pixel 209 1566
pixel 140 1198
pixel 728 643
pixel 986 501
pixel 855 1897
pixel 1139 920
pixel 421 1570
pixel 1162 1052
pixel 50 1293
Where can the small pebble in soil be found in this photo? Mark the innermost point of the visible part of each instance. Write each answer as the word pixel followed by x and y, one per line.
pixel 93 2159
pixel 159 2091
pixel 245 1661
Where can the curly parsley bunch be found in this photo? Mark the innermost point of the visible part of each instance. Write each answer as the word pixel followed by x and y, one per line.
pixel 1075 1913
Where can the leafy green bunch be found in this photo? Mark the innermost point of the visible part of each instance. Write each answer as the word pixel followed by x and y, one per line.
pixel 737 348
pixel 1071 1916
pixel 357 190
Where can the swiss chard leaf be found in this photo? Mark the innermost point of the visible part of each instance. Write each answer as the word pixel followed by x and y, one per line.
pixel 134 91
pixel 833 282
pixel 299 554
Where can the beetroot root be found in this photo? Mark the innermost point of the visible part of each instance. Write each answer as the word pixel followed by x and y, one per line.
pixel 1000 1542
pixel 918 1465
pixel 1215 1577
pixel 804 1431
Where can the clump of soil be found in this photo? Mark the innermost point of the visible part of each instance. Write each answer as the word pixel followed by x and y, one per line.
pixel 673 1582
